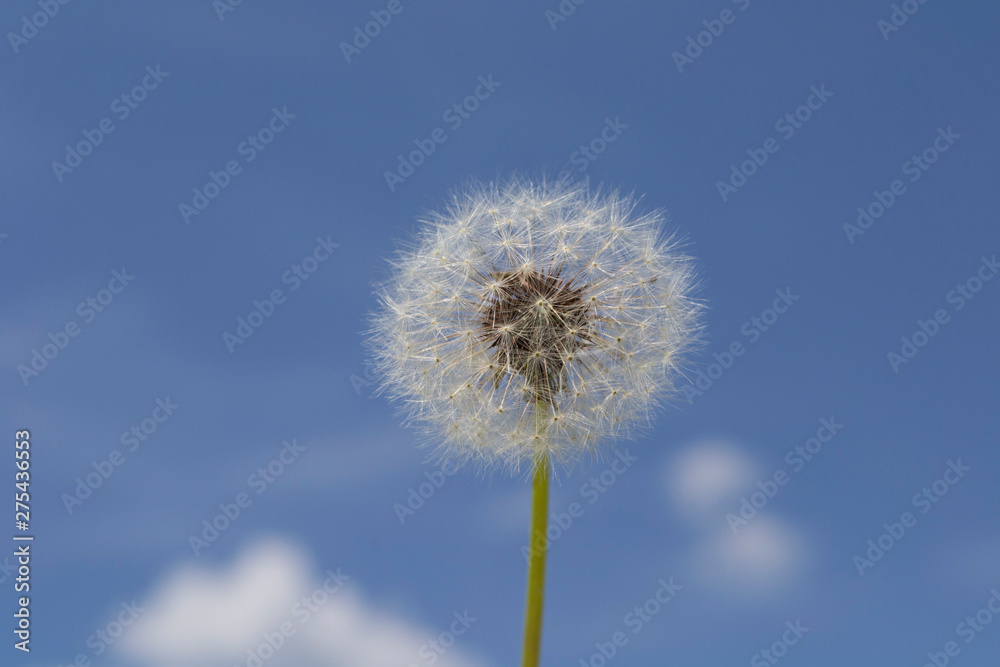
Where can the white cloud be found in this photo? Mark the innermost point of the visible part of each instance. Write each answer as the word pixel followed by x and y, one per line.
pixel 706 474
pixel 199 616
pixel 763 556
pixel 706 480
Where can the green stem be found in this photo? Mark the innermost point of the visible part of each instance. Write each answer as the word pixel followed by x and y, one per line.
pixel 536 562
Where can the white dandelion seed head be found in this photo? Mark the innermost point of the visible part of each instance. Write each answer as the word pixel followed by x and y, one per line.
pixel 534 320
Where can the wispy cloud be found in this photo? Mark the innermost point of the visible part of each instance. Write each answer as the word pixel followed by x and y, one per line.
pixel 705 479
pixel 706 474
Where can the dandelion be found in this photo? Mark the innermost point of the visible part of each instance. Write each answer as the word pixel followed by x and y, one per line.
pixel 527 325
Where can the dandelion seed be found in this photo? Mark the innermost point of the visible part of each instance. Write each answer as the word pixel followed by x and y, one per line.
pixel 576 306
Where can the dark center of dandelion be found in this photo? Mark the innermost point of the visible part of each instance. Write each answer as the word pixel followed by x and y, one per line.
pixel 535 323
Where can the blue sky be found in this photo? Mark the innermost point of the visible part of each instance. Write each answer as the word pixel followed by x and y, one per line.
pixel 259 111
